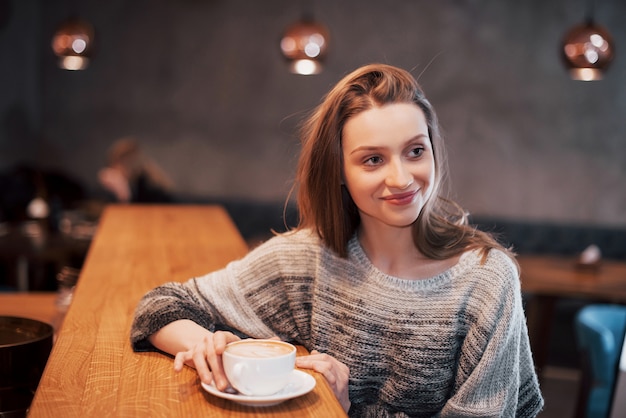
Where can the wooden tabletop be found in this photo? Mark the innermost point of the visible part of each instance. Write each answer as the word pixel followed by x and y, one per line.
pixel 34 305
pixel 563 277
pixel 92 370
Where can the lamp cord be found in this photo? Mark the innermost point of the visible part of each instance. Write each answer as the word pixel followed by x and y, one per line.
pixel 590 11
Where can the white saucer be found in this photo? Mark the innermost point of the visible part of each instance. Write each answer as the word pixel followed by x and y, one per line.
pixel 299 384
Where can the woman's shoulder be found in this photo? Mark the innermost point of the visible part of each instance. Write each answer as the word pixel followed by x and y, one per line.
pixel 489 258
pixel 303 236
pixel 491 282
pixel 290 242
pixel 493 264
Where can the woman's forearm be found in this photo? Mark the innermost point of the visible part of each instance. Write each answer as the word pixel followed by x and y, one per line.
pixel 178 336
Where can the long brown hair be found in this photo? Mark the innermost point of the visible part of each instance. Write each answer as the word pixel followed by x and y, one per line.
pixel 324 204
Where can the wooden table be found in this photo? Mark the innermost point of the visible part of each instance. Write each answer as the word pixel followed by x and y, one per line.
pixel 548 278
pixel 34 305
pixel 92 370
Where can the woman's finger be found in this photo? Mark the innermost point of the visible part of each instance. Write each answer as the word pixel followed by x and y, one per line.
pixel 201 365
pixel 220 339
pixel 335 372
pixel 215 349
pixel 180 360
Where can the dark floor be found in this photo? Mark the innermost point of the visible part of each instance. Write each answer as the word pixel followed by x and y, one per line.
pixel 560 378
pixel 559 387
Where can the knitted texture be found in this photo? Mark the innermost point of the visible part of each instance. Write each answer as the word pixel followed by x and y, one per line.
pixel 452 345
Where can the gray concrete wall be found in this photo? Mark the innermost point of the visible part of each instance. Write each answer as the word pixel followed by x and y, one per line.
pixel 202 85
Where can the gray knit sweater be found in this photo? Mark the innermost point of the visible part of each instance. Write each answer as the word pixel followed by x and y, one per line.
pixel 452 345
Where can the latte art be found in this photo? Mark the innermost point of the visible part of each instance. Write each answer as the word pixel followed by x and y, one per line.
pixel 259 349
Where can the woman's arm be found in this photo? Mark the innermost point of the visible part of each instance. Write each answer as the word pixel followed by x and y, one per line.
pixel 167 304
pixel 177 336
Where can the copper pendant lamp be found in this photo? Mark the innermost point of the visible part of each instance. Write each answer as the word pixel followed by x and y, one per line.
pixel 587 50
pixel 304 45
pixel 73 44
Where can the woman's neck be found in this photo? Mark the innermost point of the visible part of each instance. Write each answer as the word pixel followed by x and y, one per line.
pixel 393 251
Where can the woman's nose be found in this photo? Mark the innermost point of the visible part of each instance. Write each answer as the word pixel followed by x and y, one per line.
pixel 399 176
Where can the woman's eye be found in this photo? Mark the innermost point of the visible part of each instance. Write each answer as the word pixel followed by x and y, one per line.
pixel 417 151
pixel 374 160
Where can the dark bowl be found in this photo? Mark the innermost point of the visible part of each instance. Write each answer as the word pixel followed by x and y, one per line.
pixel 25 345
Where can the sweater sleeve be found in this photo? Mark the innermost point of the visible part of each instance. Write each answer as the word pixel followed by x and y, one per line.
pixel 168 303
pixel 496 375
pixel 250 297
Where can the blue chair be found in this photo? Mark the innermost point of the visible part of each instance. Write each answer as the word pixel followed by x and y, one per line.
pixel 600 332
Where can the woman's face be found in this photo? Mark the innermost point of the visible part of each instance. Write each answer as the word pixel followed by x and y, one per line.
pixel 389 165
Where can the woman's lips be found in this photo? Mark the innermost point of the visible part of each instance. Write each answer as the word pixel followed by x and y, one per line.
pixel 401 198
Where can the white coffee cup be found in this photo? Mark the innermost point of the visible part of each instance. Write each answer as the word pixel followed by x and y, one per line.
pixel 259 367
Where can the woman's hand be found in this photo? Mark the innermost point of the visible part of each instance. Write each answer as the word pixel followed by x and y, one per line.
pixel 335 372
pixel 206 357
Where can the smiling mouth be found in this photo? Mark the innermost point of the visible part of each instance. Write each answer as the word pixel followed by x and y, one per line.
pixel 401 198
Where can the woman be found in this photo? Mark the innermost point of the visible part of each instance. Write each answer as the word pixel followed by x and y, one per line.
pixel 407 311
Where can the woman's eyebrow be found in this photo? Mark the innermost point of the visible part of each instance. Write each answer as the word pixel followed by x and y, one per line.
pixel 366 148
pixel 370 148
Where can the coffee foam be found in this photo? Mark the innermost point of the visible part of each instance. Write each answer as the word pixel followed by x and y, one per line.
pixel 259 349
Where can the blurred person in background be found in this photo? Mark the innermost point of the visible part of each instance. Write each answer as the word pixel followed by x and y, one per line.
pixel 132 177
